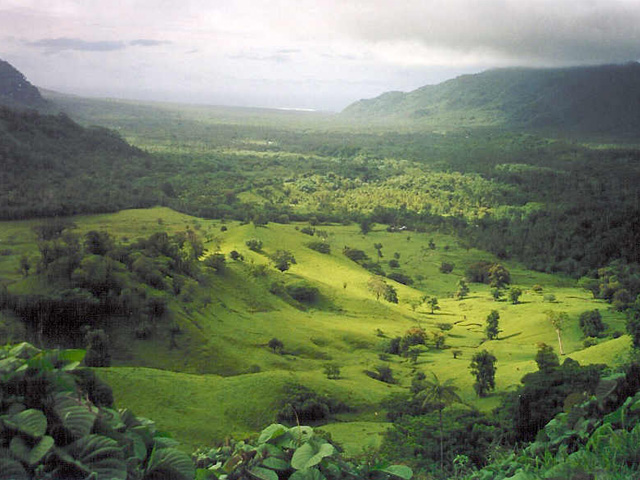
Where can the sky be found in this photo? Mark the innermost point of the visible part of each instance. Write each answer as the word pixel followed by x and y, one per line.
pixel 315 54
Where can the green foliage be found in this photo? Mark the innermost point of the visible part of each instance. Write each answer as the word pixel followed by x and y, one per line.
pixel 254 244
pixel 355 254
pixel 483 368
pixel 492 329
pixel 546 358
pixel 216 262
pixel 296 453
pixel 383 373
pixel 591 323
pixel 283 259
pixel 446 267
pixel 276 345
pixel 332 371
pixel 321 247
pixel 514 295
pixel 302 292
pixel 463 290
pixel 303 405
pixel 64 434
pixel 400 278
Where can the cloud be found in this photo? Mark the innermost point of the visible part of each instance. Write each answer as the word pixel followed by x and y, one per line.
pixel 281 55
pixel 63 43
pixel 144 42
pixel 507 31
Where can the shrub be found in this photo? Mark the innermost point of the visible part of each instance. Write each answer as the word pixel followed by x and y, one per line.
pixel 354 254
pixel 302 292
pixel 303 405
pixel 254 244
pixel 549 298
pixel 319 247
pixel 589 342
pixel 401 278
pixel 537 288
pixel 276 345
pixel 383 373
pixel 591 323
pixel 374 268
pixel 308 231
pixel 393 263
pixel 446 267
pixel 215 262
pixel 332 371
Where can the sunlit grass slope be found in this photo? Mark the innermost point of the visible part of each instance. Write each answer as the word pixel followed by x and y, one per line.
pixel 222 379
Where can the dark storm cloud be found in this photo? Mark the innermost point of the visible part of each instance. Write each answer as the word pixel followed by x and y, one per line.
pixel 544 31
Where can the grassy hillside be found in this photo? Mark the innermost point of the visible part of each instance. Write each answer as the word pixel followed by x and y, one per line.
pixel 227 323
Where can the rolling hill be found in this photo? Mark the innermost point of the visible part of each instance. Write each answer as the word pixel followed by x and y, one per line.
pixel 587 100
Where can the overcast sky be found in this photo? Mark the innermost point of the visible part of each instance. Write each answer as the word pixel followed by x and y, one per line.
pixel 321 54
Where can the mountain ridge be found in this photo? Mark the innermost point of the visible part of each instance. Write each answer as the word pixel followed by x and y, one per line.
pixel 16 91
pixel 600 99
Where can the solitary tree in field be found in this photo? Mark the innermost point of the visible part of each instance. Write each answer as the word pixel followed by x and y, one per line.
pixel 378 247
pixel 433 303
pixel 440 395
pixel 558 319
pixel 492 330
pixel 463 289
pixel 483 366
pixel 499 276
pixel 276 345
pixel 514 295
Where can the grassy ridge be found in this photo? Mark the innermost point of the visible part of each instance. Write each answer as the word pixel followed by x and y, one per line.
pixel 228 323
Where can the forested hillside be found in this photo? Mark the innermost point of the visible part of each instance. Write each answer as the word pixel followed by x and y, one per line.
pixel 16 91
pixel 598 100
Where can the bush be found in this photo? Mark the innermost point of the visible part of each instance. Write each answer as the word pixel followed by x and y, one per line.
pixel 374 268
pixel 308 230
pixel 393 263
pixel 589 342
pixel 549 298
pixel 319 247
pixel 215 262
pixel 302 292
pixel 591 323
pixel 383 373
pixel 446 267
pixel 401 278
pixel 354 254
pixel 303 405
pixel 254 244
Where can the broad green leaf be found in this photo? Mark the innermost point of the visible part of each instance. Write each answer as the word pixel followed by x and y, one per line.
pixel 38 452
pixel 24 350
pixel 302 434
pixel 100 455
pixel 138 447
pixel 272 431
pixel 11 469
pixel 30 422
pixel 165 442
pixel 308 474
pixel 263 473
pixel 169 464
pixel 275 463
pixel 400 471
pixel 76 416
pixel 31 455
pixel 308 455
pixel 72 355
pixel 10 364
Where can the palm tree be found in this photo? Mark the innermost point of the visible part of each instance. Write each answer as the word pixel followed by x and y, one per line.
pixel 441 395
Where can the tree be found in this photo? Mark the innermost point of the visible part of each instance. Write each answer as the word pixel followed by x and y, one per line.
pixel 433 304
pixel 283 259
pixel 492 330
pixel 215 262
pixel 496 294
pixel 483 366
pixel 276 345
pixel 514 295
pixel 381 289
pixel 633 325
pixel 546 358
pixel 254 244
pixel 499 276
pixel 591 323
pixel 365 226
pixel 463 289
pixel 440 395
pixel 557 319
pixel 25 265
pixel 97 349
pixel 439 339
pixel 378 247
